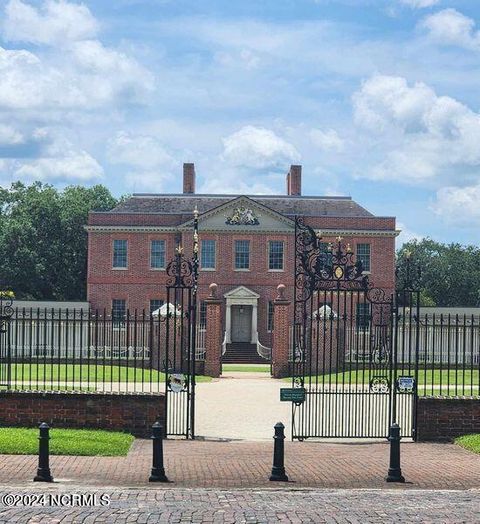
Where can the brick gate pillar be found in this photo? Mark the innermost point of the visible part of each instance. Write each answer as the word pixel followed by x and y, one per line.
pixel 213 334
pixel 281 334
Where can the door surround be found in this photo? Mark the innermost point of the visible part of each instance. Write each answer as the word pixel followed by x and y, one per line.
pixel 241 296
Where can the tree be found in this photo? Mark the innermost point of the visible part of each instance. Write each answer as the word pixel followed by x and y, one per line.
pixel 449 273
pixel 43 240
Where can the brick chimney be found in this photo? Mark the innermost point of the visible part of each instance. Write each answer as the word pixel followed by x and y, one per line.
pixel 294 180
pixel 189 178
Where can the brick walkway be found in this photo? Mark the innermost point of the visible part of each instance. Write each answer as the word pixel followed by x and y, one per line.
pixel 247 465
pixel 144 506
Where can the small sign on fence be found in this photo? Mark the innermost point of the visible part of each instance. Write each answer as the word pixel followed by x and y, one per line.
pixel 405 384
pixel 296 395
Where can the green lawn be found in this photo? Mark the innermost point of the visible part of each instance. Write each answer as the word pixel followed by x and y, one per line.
pixel 436 377
pixel 24 441
pixel 86 373
pixel 247 368
pixel 470 442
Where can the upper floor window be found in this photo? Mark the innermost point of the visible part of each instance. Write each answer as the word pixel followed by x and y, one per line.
pixel 120 253
pixel 119 310
pixel 275 254
pixel 242 254
pixel 155 304
pixel 157 254
pixel 207 254
pixel 363 254
pixel 270 313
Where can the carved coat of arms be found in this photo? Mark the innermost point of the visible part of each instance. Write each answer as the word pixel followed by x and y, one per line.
pixel 242 216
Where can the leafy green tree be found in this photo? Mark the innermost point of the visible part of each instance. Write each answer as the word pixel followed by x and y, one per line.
pixel 43 240
pixel 449 273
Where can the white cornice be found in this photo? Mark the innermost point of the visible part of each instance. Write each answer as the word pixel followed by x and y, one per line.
pixel 131 229
pixel 358 232
pixel 246 230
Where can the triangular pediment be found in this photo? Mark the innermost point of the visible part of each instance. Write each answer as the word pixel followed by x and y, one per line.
pixel 241 292
pixel 243 214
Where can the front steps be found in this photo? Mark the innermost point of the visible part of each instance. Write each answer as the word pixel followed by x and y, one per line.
pixel 242 353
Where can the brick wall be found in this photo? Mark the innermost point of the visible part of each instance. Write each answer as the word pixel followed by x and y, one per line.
pixel 138 284
pixel 133 413
pixel 444 418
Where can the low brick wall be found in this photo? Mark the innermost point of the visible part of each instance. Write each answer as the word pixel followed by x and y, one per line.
pixel 134 413
pixel 444 418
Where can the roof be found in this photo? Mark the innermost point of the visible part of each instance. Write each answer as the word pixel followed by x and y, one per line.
pixel 286 205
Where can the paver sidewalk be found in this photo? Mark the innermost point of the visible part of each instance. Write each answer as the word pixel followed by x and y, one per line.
pixel 148 506
pixel 248 465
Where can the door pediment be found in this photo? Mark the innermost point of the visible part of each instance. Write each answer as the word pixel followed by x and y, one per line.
pixel 242 292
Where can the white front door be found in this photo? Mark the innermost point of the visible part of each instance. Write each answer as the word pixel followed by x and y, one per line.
pixel 241 323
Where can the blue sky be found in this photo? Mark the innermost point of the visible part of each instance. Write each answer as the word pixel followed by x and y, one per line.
pixel 376 99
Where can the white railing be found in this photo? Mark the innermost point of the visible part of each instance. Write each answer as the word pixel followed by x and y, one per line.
pixel 71 339
pixel 200 346
pixel 437 344
pixel 296 344
pixel 224 344
pixel 263 351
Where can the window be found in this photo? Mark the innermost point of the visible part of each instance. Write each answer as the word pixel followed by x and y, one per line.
pixel 270 312
pixel 155 303
pixel 203 314
pixel 275 254
pixel 326 254
pixel 157 254
pixel 363 316
pixel 119 311
pixel 208 253
pixel 363 254
pixel 242 254
pixel 120 253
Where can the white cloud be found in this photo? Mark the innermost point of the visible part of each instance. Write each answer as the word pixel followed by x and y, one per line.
pixel 327 140
pixel 140 151
pixel 9 136
pixel 406 235
pixel 419 4
pixel 148 181
pixel 419 135
pixel 69 166
pixel 153 167
pixel 55 22
pixel 257 147
pixel 233 185
pixel 450 27
pixel 90 76
pixel 459 205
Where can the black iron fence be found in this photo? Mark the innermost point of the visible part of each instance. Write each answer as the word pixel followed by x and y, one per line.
pixel 79 350
pixel 441 350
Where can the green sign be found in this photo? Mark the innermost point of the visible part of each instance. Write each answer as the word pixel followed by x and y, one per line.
pixel 292 394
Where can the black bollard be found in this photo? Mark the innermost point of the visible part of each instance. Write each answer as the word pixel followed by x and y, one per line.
pixel 158 471
pixel 43 471
pixel 278 469
pixel 394 470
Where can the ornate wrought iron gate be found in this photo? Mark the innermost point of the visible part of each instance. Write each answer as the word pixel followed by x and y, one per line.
pixel 345 347
pixel 178 340
pixel 6 312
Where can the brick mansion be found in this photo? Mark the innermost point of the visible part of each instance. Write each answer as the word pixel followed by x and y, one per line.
pixel 247 245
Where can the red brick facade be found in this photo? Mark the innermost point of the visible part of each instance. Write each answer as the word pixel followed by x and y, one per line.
pixel 139 222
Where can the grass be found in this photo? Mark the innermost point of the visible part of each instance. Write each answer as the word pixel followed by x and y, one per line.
pixel 431 377
pixel 247 368
pixel 86 373
pixel 24 441
pixel 470 442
